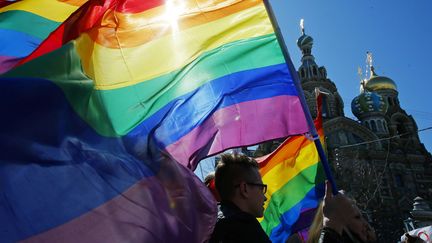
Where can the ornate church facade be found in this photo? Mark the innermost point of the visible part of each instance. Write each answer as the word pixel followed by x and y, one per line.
pixel 378 159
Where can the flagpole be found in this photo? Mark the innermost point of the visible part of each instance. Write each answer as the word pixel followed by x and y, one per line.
pixel 296 80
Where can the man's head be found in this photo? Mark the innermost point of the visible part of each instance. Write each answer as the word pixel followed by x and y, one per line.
pixel 238 180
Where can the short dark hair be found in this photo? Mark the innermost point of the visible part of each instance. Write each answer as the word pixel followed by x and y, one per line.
pixel 232 169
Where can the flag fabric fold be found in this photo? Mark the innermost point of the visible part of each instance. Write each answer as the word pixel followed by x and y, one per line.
pixel 295 180
pixel 25 24
pixel 108 115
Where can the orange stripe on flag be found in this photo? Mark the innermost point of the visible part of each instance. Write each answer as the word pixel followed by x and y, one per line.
pixel 285 153
pixel 130 30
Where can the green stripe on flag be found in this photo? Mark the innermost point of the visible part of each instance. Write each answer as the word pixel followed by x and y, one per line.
pixel 114 117
pixel 29 23
pixel 291 194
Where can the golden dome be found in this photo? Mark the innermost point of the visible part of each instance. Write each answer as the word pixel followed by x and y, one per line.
pixel 379 83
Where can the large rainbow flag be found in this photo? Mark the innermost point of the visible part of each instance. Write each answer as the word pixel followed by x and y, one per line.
pixel 295 180
pixel 25 24
pixel 98 114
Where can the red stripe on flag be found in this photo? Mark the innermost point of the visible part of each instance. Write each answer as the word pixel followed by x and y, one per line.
pixel 85 18
pixel 4 3
pixel 136 6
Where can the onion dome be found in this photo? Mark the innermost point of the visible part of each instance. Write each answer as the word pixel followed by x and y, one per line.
pixel 368 103
pixel 305 42
pixel 377 82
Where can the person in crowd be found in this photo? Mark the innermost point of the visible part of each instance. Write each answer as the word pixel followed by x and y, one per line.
pixel 314 232
pixel 242 194
pixel 343 221
pixel 209 181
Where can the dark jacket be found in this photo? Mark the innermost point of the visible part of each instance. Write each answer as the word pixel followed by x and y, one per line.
pixel 234 225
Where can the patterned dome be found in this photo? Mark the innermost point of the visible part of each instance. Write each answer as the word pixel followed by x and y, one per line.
pixel 368 102
pixel 379 83
pixel 305 41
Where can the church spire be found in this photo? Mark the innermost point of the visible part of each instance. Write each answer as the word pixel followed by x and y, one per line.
pixel 302 26
pixel 313 76
pixel 305 42
pixel 369 65
pixel 374 82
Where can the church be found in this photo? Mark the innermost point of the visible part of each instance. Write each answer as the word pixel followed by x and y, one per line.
pixel 378 159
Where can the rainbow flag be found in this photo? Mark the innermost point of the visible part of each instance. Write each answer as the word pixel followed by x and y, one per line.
pixel 106 114
pixel 25 24
pixel 295 180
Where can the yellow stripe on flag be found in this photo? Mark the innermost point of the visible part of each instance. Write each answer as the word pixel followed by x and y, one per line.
pixel 49 9
pixel 116 68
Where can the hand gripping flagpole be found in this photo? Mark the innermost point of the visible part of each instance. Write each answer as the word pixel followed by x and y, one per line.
pixel 296 80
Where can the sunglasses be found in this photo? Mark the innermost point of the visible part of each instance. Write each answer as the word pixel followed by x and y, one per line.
pixel 263 186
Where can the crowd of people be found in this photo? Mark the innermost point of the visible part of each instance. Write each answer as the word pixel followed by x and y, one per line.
pixel 238 187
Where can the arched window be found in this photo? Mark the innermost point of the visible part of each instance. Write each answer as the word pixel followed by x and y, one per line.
pixel 302 73
pixel 338 107
pixel 325 107
pixel 400 128
pixel 399 180
pixel 390 101
pixel 380 126
pixel 366 123
pixel 373 125
pixel 314 71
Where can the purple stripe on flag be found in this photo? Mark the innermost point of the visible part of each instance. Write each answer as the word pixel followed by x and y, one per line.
pixel 304 220
pixel 155 209
pixel 289 219
pixel 242 124
pixel 7 62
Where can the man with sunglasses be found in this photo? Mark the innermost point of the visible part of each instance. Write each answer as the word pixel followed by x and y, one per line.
pixel 242 196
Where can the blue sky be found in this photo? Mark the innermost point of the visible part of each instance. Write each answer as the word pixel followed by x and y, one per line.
pixel 397 32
